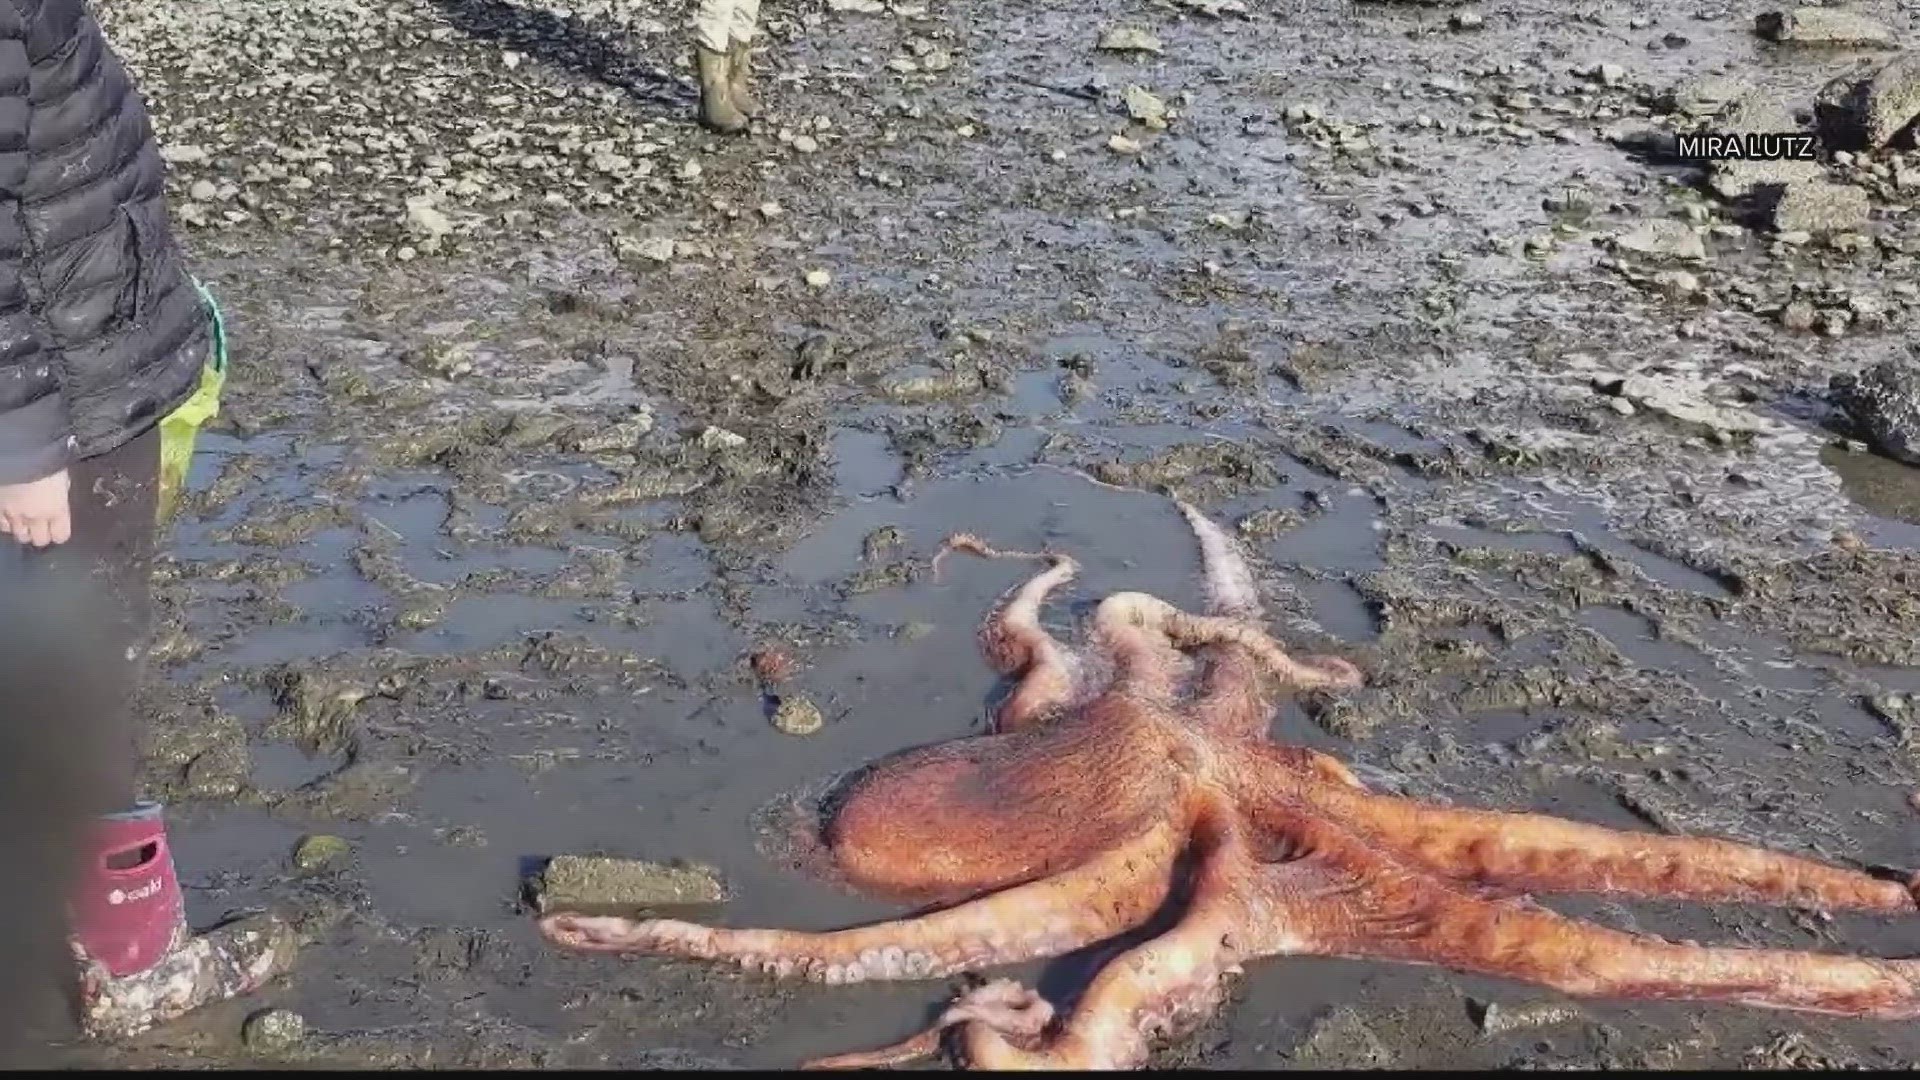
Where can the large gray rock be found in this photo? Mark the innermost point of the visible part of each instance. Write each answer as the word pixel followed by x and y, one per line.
pixel 1663 238
pixel 1821 207
pixel 1883 403
pixel 1739 179
pixel 1854 111
pixel 1833 27
pixel 1706 95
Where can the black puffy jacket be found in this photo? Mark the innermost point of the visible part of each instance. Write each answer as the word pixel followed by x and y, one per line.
pixel 102 333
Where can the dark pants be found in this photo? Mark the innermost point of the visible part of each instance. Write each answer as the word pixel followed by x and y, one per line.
pixel 73 619
pixel 115 498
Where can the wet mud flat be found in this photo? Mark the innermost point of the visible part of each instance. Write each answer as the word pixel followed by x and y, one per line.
pixel 545 415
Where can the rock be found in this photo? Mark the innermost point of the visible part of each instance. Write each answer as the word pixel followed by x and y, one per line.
pixel 1129 39
pixel 319 852
pixel 218 773
pixel 656 249
pixel 184 154
pixel 1120 144
pixel 1830 27
pixel 1883 405
pixel 1467 20
pixel 857 7
pixel 1495 1019
pixel 1677 283
pixel 1145 107
pixel 1634 136
pixel 597 884
pixel 274 1031
pixel 1740 179
pixel 1819 207
pixel 1707 95
pixel 818 279
pixel 1664 239
pixel 1798 315
pixel 719 438
pixel 1685 400
pixel 805 144
pixel 426 220
pixel 1852 112
pixel 773 664
pixel 796 715
pixel 1602 73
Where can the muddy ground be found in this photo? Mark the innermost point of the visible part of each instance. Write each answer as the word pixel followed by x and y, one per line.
pixel 548 406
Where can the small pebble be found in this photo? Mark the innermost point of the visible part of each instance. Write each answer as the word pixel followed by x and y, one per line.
pixel 796 715
pixel 274 1031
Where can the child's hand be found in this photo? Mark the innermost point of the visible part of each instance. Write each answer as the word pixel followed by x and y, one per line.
pixel 37 512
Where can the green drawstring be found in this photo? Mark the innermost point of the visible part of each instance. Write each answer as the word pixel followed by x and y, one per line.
pixel 219 326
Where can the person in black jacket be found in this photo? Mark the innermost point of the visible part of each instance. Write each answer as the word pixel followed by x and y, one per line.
pixel 102 335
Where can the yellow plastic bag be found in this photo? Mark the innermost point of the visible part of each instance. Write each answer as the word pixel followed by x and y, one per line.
pixel 182 426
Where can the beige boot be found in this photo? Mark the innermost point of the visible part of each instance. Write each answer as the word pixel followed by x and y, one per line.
pixel 740 70
pixel 717 109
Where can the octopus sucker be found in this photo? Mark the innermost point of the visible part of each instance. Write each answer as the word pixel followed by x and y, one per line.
pixel 1121 794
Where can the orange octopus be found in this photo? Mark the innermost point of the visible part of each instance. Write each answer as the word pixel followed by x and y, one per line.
pixel 1137 777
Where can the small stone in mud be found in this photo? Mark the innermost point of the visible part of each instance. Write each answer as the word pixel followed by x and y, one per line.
pixel 1677 283
pixel 796 715
pixel 1267 524
pixel 590 884
pixel 773 664
pixel 1129 39
pixel 1495 1019
pixel 818 279
pixel 1824 27
pixel 1145 106
pixel 1467 20
pixel 719 438
pixel 219 773
pixel 274 1031
pixel 1120 144
pixel 1798 315
pixel 881 544
pixel 1664 239
pixel 315 711
pixel 319 852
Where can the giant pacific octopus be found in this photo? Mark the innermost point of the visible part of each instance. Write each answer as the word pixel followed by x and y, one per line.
pixel 1133 781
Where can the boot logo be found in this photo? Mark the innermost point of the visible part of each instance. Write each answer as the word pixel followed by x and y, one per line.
pixel 119 897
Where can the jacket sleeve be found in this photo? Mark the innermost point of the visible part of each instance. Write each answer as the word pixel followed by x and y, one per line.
pixel 35 431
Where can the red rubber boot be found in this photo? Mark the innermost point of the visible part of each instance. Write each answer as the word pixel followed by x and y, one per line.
pixel 139 964
pixel 127 910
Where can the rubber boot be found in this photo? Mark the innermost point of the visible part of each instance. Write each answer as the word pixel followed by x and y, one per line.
pixel 127 909
pixel 717 110
pixel 139 964
pixel 740 78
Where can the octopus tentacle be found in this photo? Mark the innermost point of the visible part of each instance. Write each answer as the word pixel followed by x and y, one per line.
pixel 1003 1005
pixel 1015 643
pixel 1106 895
pixel 1546 854
pixel 1188 631
pixel 1367 906
pixel 1229 583
pixel 1155 989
